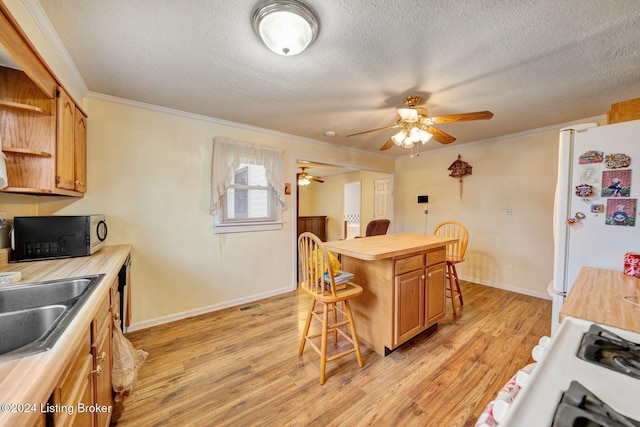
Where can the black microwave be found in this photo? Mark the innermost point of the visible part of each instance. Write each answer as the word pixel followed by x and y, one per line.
pixel 50 237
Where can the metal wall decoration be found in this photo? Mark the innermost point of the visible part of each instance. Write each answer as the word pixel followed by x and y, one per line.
pixel 458 169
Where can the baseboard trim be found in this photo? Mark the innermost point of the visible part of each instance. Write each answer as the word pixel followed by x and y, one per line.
pixel 542 295
pixel 202 310
pixel 215 307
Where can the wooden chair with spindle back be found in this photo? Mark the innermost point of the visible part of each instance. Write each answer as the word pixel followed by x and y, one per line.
pixel 455 255
pixel 318 281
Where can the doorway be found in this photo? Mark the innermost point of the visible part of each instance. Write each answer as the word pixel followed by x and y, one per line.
pixel 352 214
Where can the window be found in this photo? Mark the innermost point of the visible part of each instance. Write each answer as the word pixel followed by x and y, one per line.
pixel 247 187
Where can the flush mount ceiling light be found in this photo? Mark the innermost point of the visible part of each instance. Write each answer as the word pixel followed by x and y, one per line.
pixel 286 27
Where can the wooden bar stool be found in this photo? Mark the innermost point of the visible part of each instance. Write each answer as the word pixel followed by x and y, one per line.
pixel 322 288
pixel 455 255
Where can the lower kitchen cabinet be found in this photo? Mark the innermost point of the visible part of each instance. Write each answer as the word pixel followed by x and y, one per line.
pixel 435 289
pixel 409 307
pixel 74 391
pixel 83 396
pixel 419 293
pixel 101 349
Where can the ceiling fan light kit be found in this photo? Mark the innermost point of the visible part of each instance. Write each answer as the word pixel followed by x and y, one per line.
pixel 286 27
pixel 305 179
pixel 417 125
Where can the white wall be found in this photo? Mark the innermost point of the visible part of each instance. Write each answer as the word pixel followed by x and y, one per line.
pixel 149 172
pixel 509 251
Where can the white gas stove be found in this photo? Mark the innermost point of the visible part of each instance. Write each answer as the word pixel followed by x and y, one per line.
pixel 535 405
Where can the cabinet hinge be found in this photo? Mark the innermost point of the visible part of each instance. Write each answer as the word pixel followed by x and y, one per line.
pixel 57 93
pixel 57 179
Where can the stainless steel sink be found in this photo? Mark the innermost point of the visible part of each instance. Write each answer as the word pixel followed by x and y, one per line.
pixel 42 293
pixel 21 328
pixel 33 316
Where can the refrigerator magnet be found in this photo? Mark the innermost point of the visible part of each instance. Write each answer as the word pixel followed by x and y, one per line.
pixel 591 156
pixel 597 208
pixel 617 161
pixel 584 190
pixel 616 183
pixel 621 212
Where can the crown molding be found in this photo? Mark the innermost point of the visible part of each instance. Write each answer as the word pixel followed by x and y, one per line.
pixel 179 113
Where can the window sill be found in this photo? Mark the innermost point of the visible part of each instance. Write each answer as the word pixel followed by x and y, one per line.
pixel 246 227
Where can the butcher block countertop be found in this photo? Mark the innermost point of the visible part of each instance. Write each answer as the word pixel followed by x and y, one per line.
pixel 387 246
pixel 31 379
pixel 598 295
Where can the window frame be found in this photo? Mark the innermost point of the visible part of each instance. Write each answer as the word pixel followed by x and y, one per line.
pixel 236 157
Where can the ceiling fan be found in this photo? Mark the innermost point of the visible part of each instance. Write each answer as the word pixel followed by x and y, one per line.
pixel 305 179
pixel 417 125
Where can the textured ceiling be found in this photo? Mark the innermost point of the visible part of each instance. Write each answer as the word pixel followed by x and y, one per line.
pixel 533 63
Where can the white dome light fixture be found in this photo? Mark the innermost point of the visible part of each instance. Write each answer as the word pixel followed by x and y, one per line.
pixel 286 27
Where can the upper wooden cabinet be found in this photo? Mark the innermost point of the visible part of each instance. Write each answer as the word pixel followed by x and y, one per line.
pixel 71 169
pixel 43 131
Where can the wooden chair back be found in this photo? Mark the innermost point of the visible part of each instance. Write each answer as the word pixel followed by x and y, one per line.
pixel 377 227
pixel 315 261
pixel 455 251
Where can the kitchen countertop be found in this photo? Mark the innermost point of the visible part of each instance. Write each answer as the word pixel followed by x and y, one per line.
pixel 31 379
pixel 387 246
pixel 598 296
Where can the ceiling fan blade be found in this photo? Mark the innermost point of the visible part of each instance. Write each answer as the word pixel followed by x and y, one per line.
pixel 440 136
pixel 387 145
pixel 375 130
pixel 314 178
pixel 463 117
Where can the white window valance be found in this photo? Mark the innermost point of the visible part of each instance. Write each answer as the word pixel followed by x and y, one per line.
pixel 229 154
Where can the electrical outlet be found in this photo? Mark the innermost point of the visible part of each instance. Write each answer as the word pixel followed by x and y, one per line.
pixel 3 216
pixel 507 211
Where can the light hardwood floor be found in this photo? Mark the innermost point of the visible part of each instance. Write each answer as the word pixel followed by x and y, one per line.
pixel 241 368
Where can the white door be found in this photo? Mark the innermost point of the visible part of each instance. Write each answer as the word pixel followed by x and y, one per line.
pixel 383 199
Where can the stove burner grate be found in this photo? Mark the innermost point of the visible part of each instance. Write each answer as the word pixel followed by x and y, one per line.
pixel 579 407
pixel 606 349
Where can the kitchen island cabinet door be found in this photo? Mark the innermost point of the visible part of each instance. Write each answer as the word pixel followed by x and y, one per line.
pixel 435 296
pixel 409 306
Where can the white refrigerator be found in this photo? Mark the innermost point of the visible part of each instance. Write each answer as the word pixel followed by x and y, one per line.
pixel 595 211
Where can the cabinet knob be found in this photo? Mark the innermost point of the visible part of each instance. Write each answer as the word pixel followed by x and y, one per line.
pixel 102 357
pixel 429 275
pixel 422 277
pixel 98 370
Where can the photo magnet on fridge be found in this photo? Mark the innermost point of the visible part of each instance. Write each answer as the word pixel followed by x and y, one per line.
pixel 621 212
pixel 616 183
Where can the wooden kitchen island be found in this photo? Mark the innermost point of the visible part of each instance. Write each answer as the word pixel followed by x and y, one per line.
pixel 403 276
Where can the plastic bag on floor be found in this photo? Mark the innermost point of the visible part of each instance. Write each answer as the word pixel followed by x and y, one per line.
pixel 126 361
